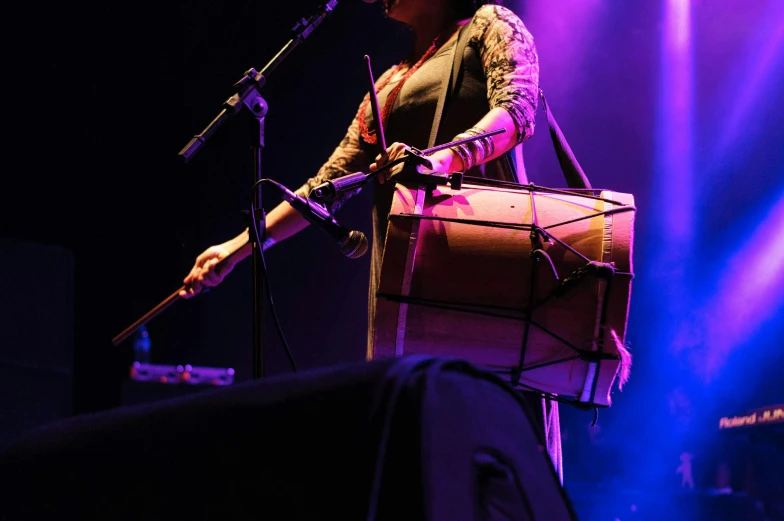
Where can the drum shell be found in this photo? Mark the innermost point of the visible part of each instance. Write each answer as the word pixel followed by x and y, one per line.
pixel 465 286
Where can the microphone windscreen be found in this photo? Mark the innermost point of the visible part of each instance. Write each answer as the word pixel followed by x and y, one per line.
pixel 355 245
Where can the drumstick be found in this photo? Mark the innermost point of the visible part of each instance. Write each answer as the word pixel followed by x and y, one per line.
pixel 168 301
pixel 374 106
pixel 157 310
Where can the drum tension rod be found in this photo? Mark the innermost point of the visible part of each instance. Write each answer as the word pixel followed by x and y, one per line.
pixel 538 251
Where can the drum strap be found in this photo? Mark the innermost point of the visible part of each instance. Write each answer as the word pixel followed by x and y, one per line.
pixel 573 172
pixel 447 86
pixel 449 83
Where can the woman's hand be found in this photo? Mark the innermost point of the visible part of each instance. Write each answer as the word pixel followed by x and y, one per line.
pixel 207 272
pixel 393 152
pixel 443 161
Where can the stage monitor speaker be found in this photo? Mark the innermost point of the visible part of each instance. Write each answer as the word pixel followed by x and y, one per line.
pixel 36 324
pixel 415 438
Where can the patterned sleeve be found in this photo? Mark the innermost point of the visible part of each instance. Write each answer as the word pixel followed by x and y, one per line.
pixel 511 64
pixel 347 158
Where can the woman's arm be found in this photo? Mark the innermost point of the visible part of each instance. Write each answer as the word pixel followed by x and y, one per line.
pixel 511 66
pixel 449 161
pixel 282 222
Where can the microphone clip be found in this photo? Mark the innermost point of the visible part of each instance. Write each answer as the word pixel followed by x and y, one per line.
pixel 415 157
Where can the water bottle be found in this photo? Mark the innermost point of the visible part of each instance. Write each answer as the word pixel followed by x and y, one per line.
pixel 141 346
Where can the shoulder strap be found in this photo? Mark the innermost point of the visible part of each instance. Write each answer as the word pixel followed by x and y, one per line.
pixel 573 173
pixel 449 83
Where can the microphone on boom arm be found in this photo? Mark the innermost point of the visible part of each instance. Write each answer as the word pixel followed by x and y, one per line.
pixel 353 243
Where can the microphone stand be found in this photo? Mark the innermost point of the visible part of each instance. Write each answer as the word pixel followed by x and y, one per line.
pixel 248 96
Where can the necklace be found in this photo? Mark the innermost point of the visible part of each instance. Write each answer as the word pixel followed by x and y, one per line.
pixel 370 135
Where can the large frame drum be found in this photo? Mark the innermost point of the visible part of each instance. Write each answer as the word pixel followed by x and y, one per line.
pixel 531 282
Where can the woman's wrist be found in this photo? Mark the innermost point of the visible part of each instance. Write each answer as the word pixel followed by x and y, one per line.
pixel 463 160
pixel 448 160
pixel 475 152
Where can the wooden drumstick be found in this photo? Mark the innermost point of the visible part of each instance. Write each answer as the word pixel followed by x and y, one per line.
pixel 379 125
pixel 157 310
pixel 168 301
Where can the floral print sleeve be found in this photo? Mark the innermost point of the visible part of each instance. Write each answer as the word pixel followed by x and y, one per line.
pixel 511 64
pixel 347 158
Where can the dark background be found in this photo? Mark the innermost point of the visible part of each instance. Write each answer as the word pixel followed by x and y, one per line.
pixel 107 96
pixel 100 99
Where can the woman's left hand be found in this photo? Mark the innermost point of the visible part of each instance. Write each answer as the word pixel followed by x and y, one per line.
pixel 394 151
pixel 443 161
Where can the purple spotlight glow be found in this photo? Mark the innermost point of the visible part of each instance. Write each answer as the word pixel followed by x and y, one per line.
pixel 747 296
pixel 749 293
pixel 676 121
pixel 572 31
pixel 765 44
pixel 672 199
pixel 678 27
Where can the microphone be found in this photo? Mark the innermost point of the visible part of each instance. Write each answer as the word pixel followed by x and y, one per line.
pixel 353 243
pixel 348 183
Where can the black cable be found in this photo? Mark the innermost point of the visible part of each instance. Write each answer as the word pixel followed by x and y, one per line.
pixel 260 244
